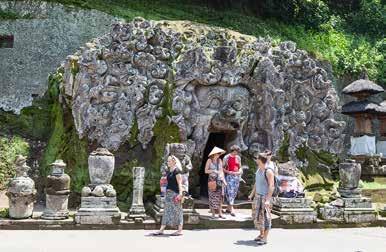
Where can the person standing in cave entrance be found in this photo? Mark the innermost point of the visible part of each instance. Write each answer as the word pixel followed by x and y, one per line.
pixel 262 197
pixel 233 171
pixel 173 213
pixel 216 181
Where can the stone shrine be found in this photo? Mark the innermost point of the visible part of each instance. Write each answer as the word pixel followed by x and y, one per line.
pixel 295 210
pixel 137 211
pixel 57 193
pixel 98 201
pixel 350 207
pixel 21 191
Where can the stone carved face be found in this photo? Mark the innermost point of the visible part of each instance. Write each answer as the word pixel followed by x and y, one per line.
pixel 178 150
pixel 228 106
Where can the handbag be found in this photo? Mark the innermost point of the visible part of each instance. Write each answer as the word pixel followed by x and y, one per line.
pixel 212 185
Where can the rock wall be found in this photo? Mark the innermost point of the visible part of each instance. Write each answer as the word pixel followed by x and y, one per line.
pixel 129 90
pixel 222 81
pixel 43 36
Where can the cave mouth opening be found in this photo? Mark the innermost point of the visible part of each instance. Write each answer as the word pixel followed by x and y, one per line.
pixel 218 139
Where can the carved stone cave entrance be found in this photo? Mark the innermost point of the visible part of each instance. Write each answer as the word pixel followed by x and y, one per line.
pixel 221 140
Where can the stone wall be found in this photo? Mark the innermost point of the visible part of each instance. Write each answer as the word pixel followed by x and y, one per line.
pixel 43 36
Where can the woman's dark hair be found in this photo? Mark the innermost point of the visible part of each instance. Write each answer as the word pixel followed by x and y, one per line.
pixel 262 157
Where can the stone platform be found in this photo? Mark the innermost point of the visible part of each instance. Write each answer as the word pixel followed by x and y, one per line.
pixel 294 210
pixel 190 214
pixel 242 220
pixel 349 210
pixel 98 210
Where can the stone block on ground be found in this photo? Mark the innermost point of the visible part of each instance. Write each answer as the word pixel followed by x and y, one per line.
pixel 294 210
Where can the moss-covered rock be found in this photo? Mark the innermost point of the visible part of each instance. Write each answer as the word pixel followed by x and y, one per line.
pixel 317 174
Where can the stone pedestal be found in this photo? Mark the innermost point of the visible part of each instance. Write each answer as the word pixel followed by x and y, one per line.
pixel 190 215
pixel 294 210
pixel 57 192
pixel 137 211
pixel 21 191
pixel 349 210
pixel 98 201
pixel 98 210
pixel 351 207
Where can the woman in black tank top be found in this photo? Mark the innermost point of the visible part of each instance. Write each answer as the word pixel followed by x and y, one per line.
pixel 173 215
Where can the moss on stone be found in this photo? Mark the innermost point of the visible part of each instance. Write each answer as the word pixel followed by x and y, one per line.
pixel 282 153
pixel 9 148
pixel 4 212
pixel 64 142
pixel 313 175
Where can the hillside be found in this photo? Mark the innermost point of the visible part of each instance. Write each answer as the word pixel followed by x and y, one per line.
pixel 327 31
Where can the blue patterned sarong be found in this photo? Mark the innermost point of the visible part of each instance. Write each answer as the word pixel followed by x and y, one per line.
pixel 232 188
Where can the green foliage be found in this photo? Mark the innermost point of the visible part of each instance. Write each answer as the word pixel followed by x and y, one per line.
pixel 370 18
pixel 329 39
pixel 4 212
pixel 10 147
pixel 8 15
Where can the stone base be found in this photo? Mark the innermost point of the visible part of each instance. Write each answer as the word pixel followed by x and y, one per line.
pixel 98 210
pixel 21 207
pixel 350 193
pixel 294 210
pixel 349 210
pixel 137 214
pixel 56 207
pixel 190 215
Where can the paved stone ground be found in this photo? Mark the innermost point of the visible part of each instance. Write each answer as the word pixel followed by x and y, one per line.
pixel 315 240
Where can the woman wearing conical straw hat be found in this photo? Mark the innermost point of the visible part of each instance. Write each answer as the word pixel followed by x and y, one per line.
pixel 216 180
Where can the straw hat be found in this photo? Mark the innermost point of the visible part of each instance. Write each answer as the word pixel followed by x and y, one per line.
pixel 216 150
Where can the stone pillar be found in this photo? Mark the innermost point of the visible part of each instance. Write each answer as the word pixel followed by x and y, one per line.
pixel 137 210
pixel 21 191
pixel 350 207
pixel 57 192
pixel 350 174
pixel 98 201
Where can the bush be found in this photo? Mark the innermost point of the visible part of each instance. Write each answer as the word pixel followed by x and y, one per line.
pixel 369 19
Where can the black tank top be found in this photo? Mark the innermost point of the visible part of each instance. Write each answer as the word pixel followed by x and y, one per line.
pixel 172 181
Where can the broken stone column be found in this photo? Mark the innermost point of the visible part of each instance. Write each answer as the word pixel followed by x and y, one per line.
pixel 21 191
pixel 350 207
pixel 137 210
pixel 57 193
pixel 98 201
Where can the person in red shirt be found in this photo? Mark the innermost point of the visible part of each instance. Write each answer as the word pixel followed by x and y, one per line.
pixel 233 171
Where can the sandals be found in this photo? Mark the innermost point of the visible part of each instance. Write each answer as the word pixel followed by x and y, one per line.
pixel 176 234
pixel 261 242
pixel 157 233
pixel 258 238
pixel 222 217
pixel 233 214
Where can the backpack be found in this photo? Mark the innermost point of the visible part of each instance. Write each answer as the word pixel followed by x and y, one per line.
pixel 276 183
